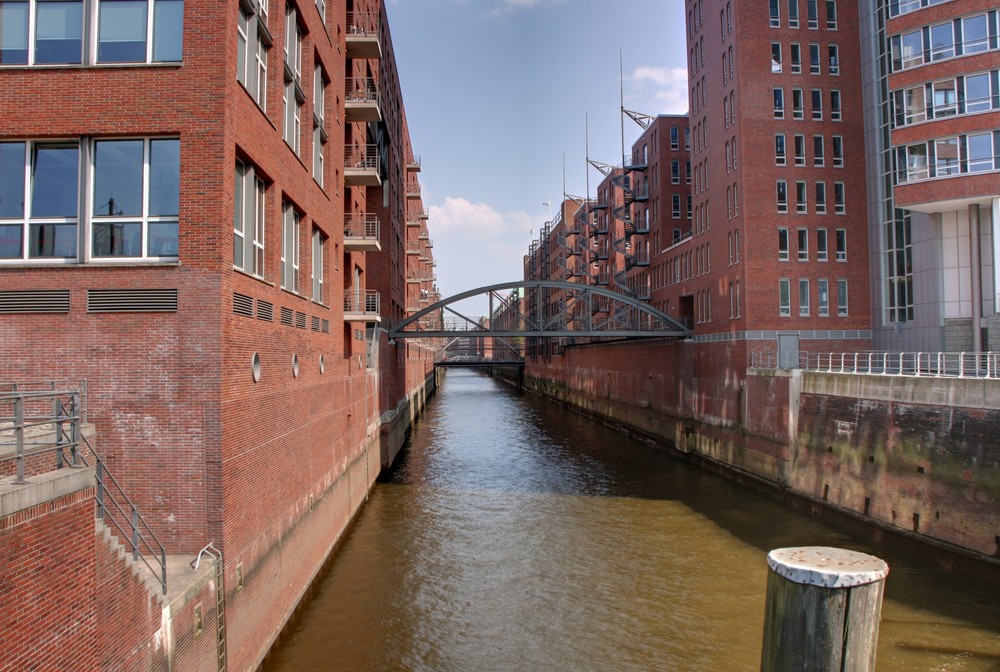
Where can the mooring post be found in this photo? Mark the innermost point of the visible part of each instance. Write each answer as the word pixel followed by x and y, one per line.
pixel 822 610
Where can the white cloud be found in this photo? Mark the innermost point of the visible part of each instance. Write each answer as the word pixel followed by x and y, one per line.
pixel 665 88
pixel 508 6
pixel 465 219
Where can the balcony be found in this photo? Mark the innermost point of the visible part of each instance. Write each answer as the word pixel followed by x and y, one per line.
pixel 362 166
pixel 362 102
pixel 363 35
pixel 361 232
pixel 413 189
pixel 362 306
pixel 414 165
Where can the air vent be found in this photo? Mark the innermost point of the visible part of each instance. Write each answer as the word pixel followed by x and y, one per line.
pixel 300 320
pixel 242 304
pixel 286 316
pixel 325 328
pixel 315 323
pixel 131 300
pixel 35 301
pixel 265 310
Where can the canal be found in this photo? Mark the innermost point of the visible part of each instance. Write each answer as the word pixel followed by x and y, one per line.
pixel 515 534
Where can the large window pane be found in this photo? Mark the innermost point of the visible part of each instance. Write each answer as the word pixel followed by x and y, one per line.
pixel 168 30
pixel 59 32
pixel 11 180
pixel 946 154
pixel 163 239
pixel 117 239
pixel 118 178
pixel 122 31
pixel 977 93
pixel 164 177
pixel 53 240
pixel 13 32
pixel 975 34
pixel 942 41
pixel 980 152
pixel 54 181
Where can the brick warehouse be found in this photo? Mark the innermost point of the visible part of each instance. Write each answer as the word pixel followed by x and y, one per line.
pixel 238 381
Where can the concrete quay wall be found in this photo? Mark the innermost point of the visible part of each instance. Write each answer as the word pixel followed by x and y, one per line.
pixel 914 457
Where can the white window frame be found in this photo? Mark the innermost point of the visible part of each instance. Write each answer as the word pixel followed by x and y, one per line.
pixel 249 205
pixel 290 225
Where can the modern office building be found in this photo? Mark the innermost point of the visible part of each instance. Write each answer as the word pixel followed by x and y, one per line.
pixel 206 213
pixel 932 128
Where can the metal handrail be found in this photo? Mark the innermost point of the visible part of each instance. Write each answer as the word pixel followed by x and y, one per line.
pixel 366 301
pixel 110 496
pixel 979 365
pixel 363 225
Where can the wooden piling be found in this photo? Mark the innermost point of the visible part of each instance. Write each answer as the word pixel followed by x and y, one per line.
pixel 822 610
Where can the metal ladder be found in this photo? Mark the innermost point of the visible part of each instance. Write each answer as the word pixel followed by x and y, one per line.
pixel 220 602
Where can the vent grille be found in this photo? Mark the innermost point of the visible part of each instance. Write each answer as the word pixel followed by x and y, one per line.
pixel 265 310
pixel 132 300
pixel 315 323
pixel 286 316
pixel 34 301
pixel 325 327
pixel 242 304
pixel 300 320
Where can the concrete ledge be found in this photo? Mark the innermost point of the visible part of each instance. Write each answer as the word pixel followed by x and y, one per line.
pixel 43 488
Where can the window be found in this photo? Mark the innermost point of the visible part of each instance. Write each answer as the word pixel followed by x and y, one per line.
pixel 821 198
pixel 687 172
pixel 842 298
pixel 775 57
pixel 318 242
pixel 782 244
pixel 898 270
pixel 911 106
pixel 319 130
pixel 795 56
pixel 841 235
pixel 797 104
pixel 321 8
pixel 675 172
pixel 831 14
pixel 793 13
pixel 725 68
pixel 290 249
pixel 800 150
pixel 822 251
pixel 908 50
pixel 803 298
pixel 248 220
pixel 975 34
pixel 836 111
pixel 838 151
pixel 687 138
pixel 676 206
pixel 819 157
pixel 779 102
pixel 674 138
pixel 775 14
pixel 838 198
pixel 911 163
pixel 732 62
pixel 782 193
pixel 942 41
pixel 814 65
pixel 293 96
pixel 729 157
pixel 823 297
pixel 779 149
pixel 817 104
pixel 977 93
pixel 946 157
pixel 784 297
pixel 689 206
pixel 134 187
pixel 801 199
pixel 253 41
pixel 945 98
pixel 833 59
pixel 980 152
pixel 135 31
pixel 802 238
pixel 812 14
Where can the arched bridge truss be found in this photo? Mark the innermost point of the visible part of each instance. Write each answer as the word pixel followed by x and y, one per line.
pixel 543 309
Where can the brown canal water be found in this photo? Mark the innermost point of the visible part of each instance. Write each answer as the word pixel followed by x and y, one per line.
pixel 515 534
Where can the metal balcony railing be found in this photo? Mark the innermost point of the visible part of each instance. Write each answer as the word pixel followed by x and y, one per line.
pixel 980 365
pixel 361 226
pixel 361 89
pixel 368 302
pixel 363 157
pixel 362 36
pixel 34 423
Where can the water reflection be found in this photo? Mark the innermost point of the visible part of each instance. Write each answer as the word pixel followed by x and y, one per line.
pixel 516 535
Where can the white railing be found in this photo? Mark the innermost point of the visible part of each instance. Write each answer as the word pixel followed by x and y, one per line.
pixel 984 365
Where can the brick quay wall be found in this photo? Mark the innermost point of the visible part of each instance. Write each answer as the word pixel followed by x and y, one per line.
pixel 907 458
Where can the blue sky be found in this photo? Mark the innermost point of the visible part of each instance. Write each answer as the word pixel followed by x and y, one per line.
pixel 499 94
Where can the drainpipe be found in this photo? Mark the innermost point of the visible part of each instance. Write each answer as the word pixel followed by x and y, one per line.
pixel 976 270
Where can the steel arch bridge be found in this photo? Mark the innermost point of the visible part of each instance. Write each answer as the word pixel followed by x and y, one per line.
pixel 544 309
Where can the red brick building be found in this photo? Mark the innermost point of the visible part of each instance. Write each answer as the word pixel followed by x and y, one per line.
pixel 205 213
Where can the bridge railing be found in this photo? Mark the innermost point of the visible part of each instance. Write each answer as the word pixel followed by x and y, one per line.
pixel 982 365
